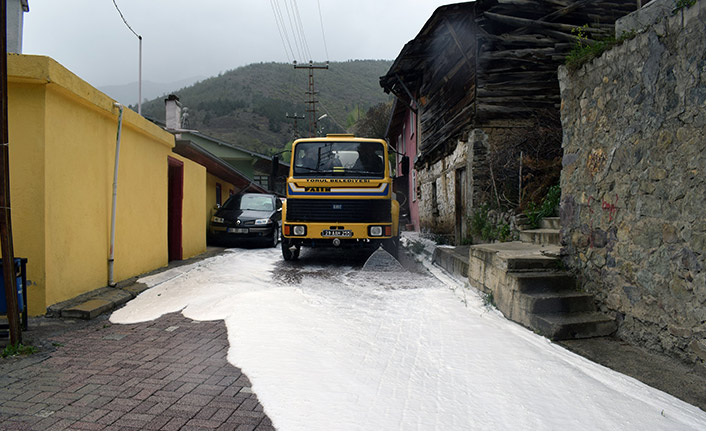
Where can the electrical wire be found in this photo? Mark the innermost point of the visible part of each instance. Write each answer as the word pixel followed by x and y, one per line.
pixel 295 31
pixel 323 35
pixel 298 20
pixel 291 29
pixel 285 42
pixel 331 116
pixel 125 21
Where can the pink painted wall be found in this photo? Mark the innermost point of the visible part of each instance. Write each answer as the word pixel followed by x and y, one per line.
pixel 407 144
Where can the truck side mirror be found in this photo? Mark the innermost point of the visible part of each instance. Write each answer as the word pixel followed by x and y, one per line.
pixel 404 164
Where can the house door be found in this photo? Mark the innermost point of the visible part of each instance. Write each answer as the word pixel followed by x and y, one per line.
pixel 174 205
pixel 460 201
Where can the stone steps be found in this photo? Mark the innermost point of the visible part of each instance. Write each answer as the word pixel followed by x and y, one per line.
pixel 529 288
pixel 546 234
pixel 550 223
pixel 563 326
pixel 540 236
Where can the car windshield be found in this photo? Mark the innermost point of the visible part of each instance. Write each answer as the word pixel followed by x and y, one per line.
pixel 339 159
pixel 249 202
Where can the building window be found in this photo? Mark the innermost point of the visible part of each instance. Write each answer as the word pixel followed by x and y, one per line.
pixel 263 181
pixel 218 194
pixel 411 124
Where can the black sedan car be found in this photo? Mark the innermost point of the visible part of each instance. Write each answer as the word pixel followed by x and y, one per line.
pixel 247 218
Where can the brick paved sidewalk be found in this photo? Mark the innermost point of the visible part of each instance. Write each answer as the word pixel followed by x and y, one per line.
pixel 168 374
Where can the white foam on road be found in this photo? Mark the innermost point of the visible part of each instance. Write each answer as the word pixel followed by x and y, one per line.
pixel 331 348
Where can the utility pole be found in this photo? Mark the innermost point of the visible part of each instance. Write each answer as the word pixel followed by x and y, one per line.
pixel 295 117
pixel 311 103
pixel 8 253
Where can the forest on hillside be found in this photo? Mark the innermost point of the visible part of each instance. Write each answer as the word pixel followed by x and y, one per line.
pixel 248 106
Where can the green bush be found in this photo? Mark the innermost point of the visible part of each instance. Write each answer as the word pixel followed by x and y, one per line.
pixel 585 49
pixel 481 225
pixel 548 208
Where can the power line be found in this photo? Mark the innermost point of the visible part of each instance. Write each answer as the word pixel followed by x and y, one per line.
pixel 282 31
pixel 125 21
pixel 139 76
pixel 298 20
pixel 331 116
pixel 323 35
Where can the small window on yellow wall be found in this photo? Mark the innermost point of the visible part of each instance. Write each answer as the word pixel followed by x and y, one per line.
pixel 218 194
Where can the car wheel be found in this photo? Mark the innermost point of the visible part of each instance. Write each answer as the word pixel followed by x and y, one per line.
pixel 275 237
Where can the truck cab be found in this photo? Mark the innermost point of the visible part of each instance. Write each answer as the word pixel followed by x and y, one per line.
pixel 339 194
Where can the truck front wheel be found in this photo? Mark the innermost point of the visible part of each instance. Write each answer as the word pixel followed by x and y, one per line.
pixel 289 251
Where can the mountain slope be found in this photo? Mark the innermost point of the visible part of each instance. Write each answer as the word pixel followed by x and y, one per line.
pixel 128 93
pixel 248 106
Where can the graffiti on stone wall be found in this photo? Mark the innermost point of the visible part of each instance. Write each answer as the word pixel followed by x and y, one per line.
pixel 596 236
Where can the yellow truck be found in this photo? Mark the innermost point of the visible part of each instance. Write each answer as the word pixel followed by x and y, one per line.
pixel 339 194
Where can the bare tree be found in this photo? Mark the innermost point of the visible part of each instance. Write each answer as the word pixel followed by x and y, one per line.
pixel 374 123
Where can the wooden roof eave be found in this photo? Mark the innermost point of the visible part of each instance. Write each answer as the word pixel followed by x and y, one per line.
pixel 215 166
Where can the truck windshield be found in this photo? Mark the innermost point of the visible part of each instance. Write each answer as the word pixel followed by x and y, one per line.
pixel 339 159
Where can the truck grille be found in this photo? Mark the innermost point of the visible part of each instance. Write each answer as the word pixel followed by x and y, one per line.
pixel 339 210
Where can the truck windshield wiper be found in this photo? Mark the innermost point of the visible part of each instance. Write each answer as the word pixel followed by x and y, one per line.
pixel 363 171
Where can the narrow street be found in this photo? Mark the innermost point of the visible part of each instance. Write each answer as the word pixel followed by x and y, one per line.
pixel 320 344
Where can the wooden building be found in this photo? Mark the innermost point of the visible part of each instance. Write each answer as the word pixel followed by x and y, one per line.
pixel 477 74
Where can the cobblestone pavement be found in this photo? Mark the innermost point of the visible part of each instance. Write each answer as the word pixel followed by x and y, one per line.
pixel 168 374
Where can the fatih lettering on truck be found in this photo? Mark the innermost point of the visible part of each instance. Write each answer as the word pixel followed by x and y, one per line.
pixel 339 194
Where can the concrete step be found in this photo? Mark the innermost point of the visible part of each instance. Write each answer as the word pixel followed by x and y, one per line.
pixel 540 236
pixel 541 282
pixel 536 263
pixel 573 325
pixel 550 223
pixel 557 302
pixel 452 259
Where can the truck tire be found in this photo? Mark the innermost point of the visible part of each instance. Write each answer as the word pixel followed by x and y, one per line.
pixel 287 252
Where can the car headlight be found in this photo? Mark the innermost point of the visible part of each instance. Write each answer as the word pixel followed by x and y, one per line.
pixel 262 221
pixel 215 219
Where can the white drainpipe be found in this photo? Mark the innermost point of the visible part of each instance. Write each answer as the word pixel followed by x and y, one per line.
pixel 111 260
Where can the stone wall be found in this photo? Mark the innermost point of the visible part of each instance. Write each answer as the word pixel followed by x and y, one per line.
pixel 437 185
pixel 634 183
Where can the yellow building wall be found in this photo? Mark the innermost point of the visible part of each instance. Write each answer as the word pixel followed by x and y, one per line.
pixel 194 209
pixel 63 140
pixel 211 193
pixel 26 151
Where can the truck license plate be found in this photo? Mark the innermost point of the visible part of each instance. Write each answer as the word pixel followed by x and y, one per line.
pixel 237 230
pixel 337 233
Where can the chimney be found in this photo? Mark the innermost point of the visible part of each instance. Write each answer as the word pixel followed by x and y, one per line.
pixel 173 111
pixel 15 10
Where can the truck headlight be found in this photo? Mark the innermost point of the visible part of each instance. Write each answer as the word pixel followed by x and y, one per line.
pixel 375 230
pixel 215 219
pixel 299 230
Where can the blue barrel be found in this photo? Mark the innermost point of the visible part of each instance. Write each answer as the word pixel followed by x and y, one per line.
pixel 19 269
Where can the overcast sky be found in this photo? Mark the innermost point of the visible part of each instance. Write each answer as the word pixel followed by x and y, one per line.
pixel 201 38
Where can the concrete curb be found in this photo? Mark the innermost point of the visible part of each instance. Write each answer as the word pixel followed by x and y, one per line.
pixel 105 299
